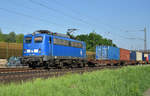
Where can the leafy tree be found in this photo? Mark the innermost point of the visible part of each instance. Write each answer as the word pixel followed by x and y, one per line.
pixel 19 38
pixel 93 39
pixel 6 38
pixel 1 36
pixel 12 36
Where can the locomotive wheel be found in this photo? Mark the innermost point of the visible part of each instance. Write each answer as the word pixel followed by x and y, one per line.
pixel 30 65
pixel 60 65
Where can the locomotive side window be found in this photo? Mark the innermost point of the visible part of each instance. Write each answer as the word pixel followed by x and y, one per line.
pixel 38 39
pixel 28 39
pixel 56 41
pixel 67 43
pixel 61 42
pixel 76 44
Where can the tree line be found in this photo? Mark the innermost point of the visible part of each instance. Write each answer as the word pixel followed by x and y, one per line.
pixel 11 37
pixel 92 39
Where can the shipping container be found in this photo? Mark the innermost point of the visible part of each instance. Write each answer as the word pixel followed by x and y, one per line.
pixel 139 56
pixel 133 55
pixel 145 57
pixel 107 53
pixel 124 54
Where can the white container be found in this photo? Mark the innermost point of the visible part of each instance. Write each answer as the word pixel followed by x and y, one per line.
pixel 139 56
pixel 145 55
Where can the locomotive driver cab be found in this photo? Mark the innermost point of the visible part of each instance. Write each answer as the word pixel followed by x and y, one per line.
pixel 35 44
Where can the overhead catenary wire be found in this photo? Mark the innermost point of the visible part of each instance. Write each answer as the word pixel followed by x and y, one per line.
pixel 55 10
pixel 40 18
pixel 78 13
pixel 31 17
pixel 71 10
pixel 28 7
pixel 31 9
pixel 60 12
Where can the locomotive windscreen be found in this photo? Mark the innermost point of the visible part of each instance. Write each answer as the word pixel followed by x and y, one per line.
pixel 28 39
pixel 38 39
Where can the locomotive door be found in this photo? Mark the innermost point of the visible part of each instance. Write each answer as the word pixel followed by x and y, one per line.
pixel 50 46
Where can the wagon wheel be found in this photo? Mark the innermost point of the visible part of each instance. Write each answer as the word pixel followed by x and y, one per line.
pixel 60 65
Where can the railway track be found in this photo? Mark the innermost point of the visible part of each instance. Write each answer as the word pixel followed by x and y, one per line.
pixel 13 69
pixel 28 74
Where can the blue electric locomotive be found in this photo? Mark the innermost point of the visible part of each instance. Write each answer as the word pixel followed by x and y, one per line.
pixel 46 49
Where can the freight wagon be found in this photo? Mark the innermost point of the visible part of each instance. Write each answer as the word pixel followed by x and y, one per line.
pixel 108 55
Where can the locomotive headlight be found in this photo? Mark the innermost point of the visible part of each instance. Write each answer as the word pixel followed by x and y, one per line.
pixel 36 50
pixel 28 50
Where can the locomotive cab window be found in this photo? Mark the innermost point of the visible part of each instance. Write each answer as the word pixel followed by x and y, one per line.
pixel 28 40
pixel 38 39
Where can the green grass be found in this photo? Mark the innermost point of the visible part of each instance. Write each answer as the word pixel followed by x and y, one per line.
pixel 128 81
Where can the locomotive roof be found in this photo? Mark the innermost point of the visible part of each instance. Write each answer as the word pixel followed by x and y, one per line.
pixel 65 38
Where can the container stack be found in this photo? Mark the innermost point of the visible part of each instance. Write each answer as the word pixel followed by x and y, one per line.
pixel 122 55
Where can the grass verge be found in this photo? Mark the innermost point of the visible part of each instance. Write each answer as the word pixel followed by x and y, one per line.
pixel 127 81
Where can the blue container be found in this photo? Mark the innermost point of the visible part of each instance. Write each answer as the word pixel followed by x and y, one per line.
pixel 149 57
pixel 107 53
pixel 132 55
pixel 143 58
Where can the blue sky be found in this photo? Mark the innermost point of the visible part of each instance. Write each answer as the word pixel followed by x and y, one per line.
pixel 113 19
